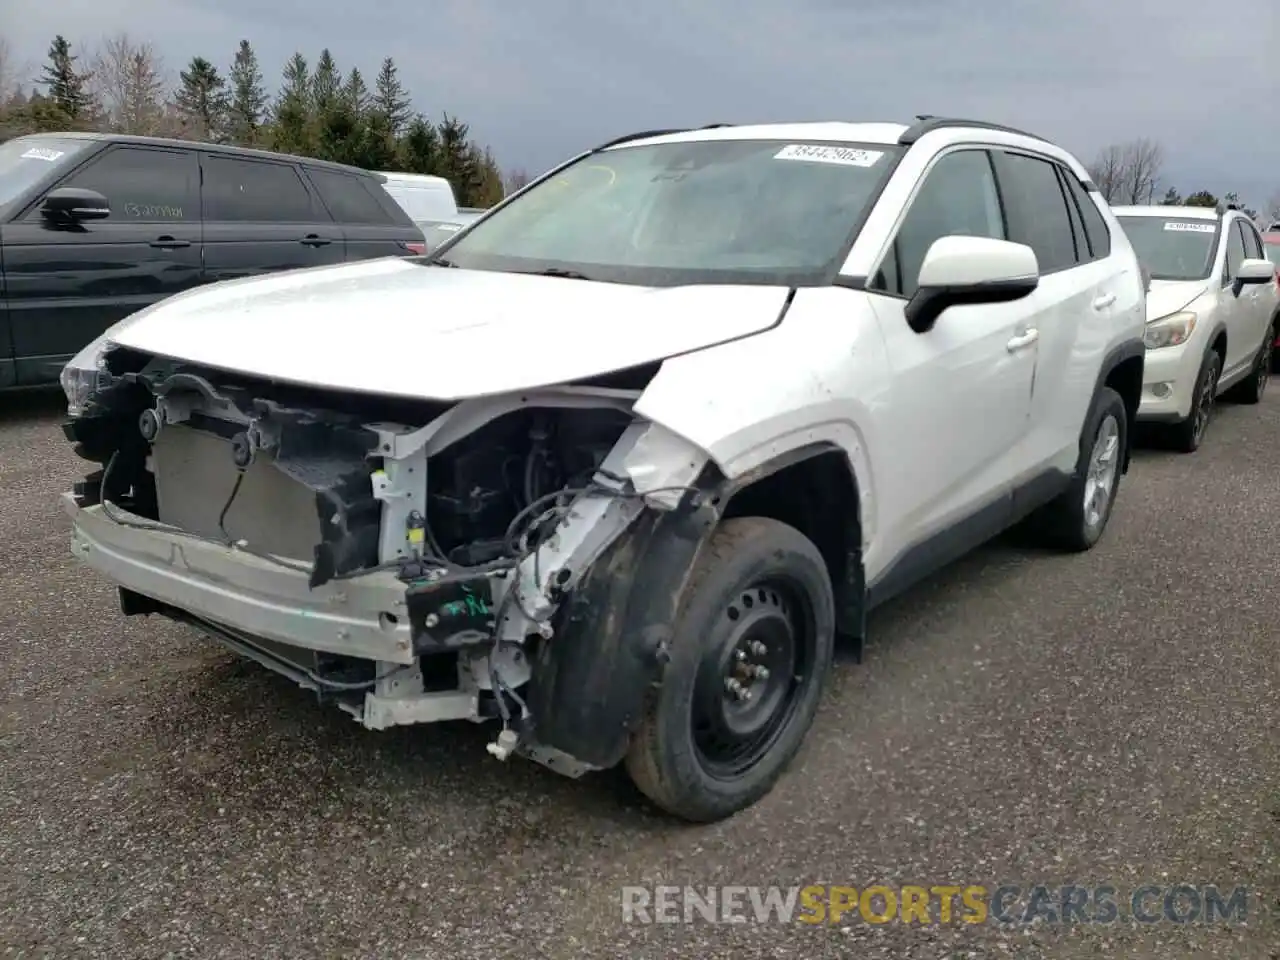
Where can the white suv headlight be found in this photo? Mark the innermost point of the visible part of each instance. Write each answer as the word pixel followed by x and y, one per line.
pixel 1170 331
pixel 84 375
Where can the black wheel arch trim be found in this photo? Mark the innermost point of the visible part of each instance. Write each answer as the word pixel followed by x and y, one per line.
pixel 613 632
pixel 1126 350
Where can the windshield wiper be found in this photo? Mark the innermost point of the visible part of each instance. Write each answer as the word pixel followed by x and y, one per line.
pixel 556 272
pixel 441 263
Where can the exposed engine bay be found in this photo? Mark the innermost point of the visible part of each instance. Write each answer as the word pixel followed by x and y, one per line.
pixel 411 560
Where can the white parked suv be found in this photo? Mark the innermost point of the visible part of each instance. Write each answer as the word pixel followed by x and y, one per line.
pixel 617 465
pixel 1212 312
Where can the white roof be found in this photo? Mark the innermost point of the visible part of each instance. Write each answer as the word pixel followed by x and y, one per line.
pixel 422 178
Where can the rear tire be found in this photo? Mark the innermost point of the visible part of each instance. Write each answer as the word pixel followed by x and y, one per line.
pixel 1076 519
pixel 1186 437
pixel 759 596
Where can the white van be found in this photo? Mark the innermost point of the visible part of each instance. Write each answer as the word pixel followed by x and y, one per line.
pixel 423 197
pixel 430 203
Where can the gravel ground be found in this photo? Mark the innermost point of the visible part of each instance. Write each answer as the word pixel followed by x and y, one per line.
pixel 1107 718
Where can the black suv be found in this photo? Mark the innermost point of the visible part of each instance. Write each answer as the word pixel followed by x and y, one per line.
pixel 96 226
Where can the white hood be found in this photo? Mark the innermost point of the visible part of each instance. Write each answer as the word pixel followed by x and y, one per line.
pixel 1170 296
pixel 398 328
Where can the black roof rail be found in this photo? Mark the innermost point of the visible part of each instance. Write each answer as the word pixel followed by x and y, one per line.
pixel 646 134
pixel 927 124
pixel 642 135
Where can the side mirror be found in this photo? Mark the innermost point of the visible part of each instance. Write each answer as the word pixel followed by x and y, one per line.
pixel 75 204
pixel 1256 271
pixel 960 271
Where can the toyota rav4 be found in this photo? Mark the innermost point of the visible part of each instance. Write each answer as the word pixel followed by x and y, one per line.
pixel 616 467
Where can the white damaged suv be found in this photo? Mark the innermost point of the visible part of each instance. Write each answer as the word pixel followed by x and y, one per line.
pixel 1212 314
pixel 617 466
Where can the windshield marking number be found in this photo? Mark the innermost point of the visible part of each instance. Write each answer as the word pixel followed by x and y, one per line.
pixel 845 156
pixel 1191 227
pixel 42 153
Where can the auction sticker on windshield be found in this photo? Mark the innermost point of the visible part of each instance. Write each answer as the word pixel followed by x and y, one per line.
pixel 41 153
pixel 1191 227
pixel 846 156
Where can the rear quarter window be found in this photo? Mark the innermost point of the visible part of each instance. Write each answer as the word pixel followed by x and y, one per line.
pixel 355 199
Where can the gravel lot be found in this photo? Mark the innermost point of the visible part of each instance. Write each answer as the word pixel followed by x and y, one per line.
pixel 1108 718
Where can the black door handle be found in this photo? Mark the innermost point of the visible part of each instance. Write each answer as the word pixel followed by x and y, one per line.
pixel 169 243
pixel 311 240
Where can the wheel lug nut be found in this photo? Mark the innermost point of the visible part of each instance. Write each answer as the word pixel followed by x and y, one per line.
pixel 746 695
pixel 762 673
pixel 740 656
pixel 758 649
pixel 733 687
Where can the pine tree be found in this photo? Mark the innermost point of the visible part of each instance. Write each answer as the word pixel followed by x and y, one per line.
pixel 355 92
pixel 247 107
pixel 391 99
pixel 325 83
pixel 458 162
pixel 420 147
pixel 202 100
pixel 292 131
pixel 67 87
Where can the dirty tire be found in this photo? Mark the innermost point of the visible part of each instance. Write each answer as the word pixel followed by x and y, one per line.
pixel 1251 389
pixel 668 760
pixel 1186 437
pixel 1064 523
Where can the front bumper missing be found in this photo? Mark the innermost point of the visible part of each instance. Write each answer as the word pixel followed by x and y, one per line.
pixel 362 617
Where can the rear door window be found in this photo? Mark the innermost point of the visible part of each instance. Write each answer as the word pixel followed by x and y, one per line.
pixel 256 191
pixel 1095 227
pixel 142 184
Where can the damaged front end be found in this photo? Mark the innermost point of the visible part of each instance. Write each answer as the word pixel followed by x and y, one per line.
pixel 515 557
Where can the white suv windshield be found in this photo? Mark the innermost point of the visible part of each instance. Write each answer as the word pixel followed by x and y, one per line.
pixel 1272 248
pixel 1173 248
pixel 27 159
pixel 710 211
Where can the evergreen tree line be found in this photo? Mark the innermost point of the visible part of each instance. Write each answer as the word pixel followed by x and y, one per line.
pixel 318 111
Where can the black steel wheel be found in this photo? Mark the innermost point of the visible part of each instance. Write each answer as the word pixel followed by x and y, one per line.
pixel 752 678
pixel 749 655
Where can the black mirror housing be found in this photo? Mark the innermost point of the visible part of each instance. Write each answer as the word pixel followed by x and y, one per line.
pixel 75 204
pixel 928 303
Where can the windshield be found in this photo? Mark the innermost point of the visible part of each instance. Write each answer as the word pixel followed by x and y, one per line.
pixel 27 159
pixel 1272 247
pixel 1172 248
pixel 711 211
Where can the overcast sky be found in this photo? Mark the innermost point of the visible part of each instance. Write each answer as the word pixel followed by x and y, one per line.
pixel 540 79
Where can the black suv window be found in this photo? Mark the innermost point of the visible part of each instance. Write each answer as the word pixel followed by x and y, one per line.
pixel 1252 242
pixel 254 190
pixel 142 185
pixel 958 198
pixel 1037 209
pixel 1095 227
pixel 1235 252
pixel 350 198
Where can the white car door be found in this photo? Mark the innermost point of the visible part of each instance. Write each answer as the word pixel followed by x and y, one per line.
pixel 1259 299
pixel 1075 304
pixel 1233 306
pixel 957 414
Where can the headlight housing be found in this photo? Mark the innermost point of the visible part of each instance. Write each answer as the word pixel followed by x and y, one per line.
pixel 84 375
pixel 1170 331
